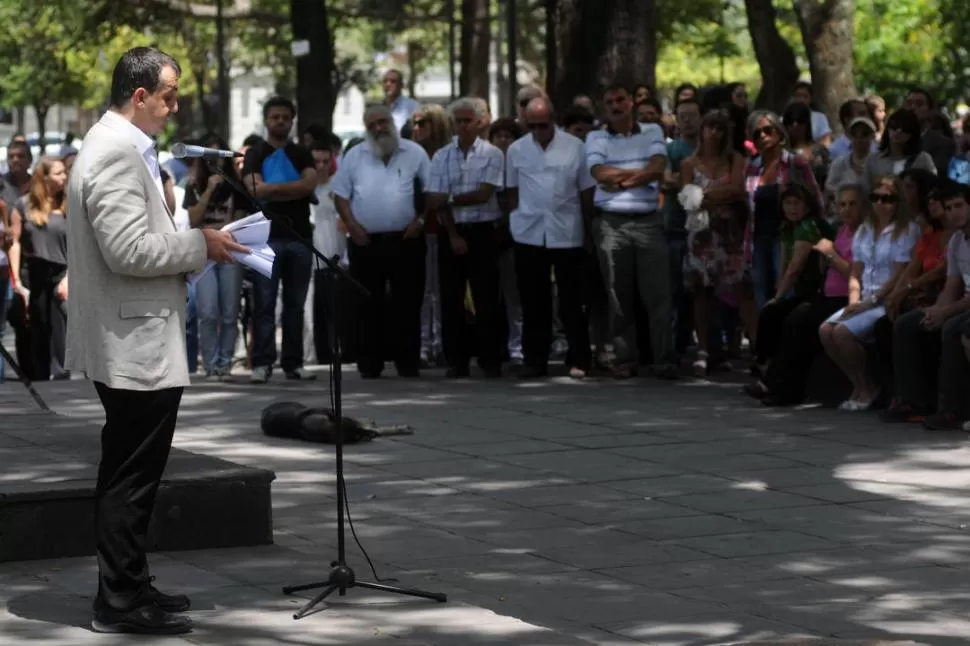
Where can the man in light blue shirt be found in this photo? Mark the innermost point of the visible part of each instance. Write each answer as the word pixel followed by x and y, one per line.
pixel 401 107
pixel 378 192
pixel 628 160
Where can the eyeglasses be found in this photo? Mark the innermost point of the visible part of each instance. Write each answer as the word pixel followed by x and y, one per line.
pixel 524 103
pixel 420 123
pixel 883 198
pixel 537 126
pixel 767 131
pixel 794 122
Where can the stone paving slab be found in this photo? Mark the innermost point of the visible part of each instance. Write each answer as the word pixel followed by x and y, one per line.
pixel 557 514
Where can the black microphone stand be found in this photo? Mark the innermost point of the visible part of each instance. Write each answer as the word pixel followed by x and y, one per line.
pixel 342 576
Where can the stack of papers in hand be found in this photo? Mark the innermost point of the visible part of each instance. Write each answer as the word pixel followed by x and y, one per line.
pixel 251 232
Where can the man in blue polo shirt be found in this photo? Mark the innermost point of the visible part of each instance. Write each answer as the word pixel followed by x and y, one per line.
pixel 627 160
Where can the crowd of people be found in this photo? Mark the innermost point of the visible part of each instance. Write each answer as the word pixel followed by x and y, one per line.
pixel 613 232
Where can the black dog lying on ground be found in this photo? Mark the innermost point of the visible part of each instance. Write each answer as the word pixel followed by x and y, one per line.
pixel 298 422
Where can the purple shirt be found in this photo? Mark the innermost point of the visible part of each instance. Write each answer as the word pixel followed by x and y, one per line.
pixel 835 283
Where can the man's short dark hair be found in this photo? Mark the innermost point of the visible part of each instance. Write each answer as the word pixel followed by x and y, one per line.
pixel 505 124
pixel 845 110
pixel 279 102
pixel 20 143
pixel 930 101
pixel 689 102
pixel 253 140
pixel 139 67
pixel 617 87
pixel 950 190
pixel 321 144
pixel 652 101
pixel 577 114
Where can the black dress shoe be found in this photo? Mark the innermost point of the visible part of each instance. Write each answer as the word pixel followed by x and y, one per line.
pixel 148 619
pixel 457 372
pixel 167 602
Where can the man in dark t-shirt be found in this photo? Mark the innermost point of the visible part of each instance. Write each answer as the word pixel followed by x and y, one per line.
pixel 281 175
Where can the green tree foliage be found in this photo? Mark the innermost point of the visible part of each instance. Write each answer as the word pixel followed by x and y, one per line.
pixel 40 69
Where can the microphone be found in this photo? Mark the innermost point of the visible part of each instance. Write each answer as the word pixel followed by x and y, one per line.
pixel 182 151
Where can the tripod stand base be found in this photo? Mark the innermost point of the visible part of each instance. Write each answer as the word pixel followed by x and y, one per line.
pixel 342 578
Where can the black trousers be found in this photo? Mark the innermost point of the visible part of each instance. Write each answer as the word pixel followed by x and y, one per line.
pixel 798 346
pixel 477 269
pixel 532 269
pixel 326 288
pixel 135 444
pixel 931 365
pixel 48 319
pixel 771 327
pixel 389 260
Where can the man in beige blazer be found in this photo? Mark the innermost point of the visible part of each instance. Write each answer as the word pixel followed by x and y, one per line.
pixel 126 327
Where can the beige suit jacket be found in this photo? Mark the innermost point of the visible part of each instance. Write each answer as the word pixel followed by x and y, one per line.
pixel 126 310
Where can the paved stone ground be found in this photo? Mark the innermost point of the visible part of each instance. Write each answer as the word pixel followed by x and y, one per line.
pixel 558 514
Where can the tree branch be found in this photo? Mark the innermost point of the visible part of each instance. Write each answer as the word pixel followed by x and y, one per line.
pixel 243 10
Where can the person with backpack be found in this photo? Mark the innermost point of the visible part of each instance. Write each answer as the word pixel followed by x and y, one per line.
pixel 282 178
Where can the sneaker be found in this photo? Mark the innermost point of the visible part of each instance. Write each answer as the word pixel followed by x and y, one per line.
pixel 943 421
pixel 301 374
pixel 261 374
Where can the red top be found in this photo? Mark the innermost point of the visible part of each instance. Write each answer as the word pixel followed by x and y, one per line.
pixel 929 251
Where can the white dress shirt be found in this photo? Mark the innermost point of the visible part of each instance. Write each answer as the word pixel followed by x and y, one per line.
pixel 402 109
pixel 144 144
pixel 381 195
pixel 549 180
pixel 454 173
pixel 327 238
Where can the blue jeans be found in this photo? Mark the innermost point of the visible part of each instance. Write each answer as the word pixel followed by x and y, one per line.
pixel 766 265
pixel 217 296
pixel 6 293
pixel 293 268
pixel 192 332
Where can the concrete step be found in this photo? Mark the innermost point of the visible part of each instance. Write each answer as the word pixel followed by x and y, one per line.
pixel 48 474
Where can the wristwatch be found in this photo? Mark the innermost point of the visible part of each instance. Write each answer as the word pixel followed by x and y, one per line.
pixel 420 221
pixel 451 200
pixel 873 300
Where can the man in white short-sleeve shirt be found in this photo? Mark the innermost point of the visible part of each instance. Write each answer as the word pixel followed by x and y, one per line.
pixel 931 339
pixel 465 176
pixel 550 193
pixel 377 191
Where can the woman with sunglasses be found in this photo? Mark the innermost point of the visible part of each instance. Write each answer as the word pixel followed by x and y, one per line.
pixel 797 118
pixel 430 128
pixel 900 149
pixel 212 204
pixel 881 249
pixel 775 166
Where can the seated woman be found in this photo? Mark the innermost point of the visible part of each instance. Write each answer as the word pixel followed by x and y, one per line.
pixel 784 381
pixel 881 250
pixel 931 364
pixel 801 268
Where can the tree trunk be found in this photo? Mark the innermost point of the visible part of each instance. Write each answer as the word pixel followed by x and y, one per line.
pixel 316 77
pixel 476 39
pixel 41 111
pixel 779 69
pixel 827 28
pixel 601 43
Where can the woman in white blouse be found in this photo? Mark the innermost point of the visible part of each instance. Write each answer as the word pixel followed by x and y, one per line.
pixel 881 249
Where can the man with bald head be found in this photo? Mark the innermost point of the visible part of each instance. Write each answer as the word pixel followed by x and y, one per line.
pixel 375 191
pixel 401 107
pixel 550 195
pixel 523 97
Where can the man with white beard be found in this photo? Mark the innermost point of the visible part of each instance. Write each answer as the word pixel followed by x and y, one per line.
pixel 379 194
